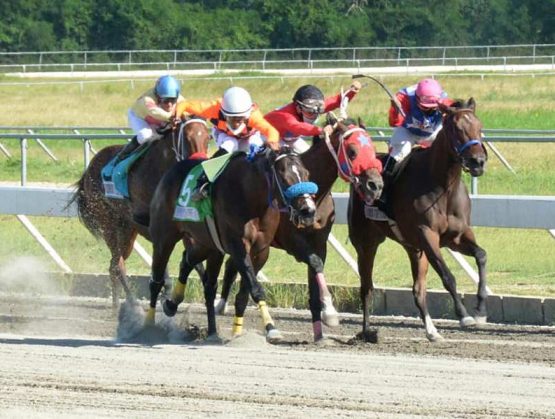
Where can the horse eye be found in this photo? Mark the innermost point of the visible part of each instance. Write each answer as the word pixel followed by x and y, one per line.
pixel 351 154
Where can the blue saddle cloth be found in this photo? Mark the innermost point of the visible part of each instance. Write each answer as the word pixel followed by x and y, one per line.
pixel 114 176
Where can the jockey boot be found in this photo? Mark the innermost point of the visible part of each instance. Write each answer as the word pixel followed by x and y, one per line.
pixel 201 190
pixel 126 151
pixel 387 175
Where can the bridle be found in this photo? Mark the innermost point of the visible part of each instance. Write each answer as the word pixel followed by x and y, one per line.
pixel 298 189
pixel 341 149
pixel 178 145
pixel 461 148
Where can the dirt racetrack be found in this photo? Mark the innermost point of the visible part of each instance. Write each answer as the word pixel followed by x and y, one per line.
pixel 59 359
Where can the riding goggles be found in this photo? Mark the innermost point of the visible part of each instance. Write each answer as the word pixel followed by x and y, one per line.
pixel 428 101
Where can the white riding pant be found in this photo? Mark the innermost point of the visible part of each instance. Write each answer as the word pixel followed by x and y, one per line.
pixel 231 144
pixel 299 145
pixel 142 129
pixel 402 141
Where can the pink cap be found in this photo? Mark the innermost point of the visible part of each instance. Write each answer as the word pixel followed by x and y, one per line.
pixel 428 93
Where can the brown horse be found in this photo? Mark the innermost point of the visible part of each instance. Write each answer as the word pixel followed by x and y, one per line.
pixel 245 199
pixel 347 152
pixel 431 208
pixel 118 222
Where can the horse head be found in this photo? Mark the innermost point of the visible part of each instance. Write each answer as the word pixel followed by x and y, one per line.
pixel 296 192
pixel 464 130
pixel 356 159
pixel 193 138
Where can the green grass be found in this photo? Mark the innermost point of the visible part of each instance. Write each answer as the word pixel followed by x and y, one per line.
pixel 519 261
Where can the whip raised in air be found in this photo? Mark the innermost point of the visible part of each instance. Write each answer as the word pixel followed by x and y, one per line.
pixel 384 87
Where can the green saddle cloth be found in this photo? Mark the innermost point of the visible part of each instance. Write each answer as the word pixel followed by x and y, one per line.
pixel 197 211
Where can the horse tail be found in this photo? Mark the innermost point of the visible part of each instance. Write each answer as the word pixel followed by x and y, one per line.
pixel 84 205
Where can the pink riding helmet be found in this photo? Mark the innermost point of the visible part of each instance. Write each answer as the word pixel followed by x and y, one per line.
pixel 428 93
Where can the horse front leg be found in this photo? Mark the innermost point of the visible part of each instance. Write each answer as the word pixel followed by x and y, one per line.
pixel 160 257
pixel 366 256
pixel 249 284
pixel 430 245
pixel 469 247
pixel 170 305
pixel 320 299
pixel 419 268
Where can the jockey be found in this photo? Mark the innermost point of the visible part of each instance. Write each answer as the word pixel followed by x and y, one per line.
pixel 152 110
pixel 423 119
pixel 420 125
pixel 237 121
pixel 298 118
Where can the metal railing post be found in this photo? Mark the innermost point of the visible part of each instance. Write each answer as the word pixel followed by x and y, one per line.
pixel 23 144
pixel 474 185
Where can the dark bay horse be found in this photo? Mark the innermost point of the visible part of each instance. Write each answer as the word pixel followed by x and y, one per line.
pixel 348 152
pixel 118 222
pixel 246 199
pixel 431 207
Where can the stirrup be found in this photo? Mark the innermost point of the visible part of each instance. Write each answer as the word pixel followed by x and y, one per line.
pixel 201 193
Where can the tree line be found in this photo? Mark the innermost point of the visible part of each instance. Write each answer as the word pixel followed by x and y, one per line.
pixel 48 25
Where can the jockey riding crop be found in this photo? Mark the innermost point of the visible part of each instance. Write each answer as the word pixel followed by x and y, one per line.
pixel 383 86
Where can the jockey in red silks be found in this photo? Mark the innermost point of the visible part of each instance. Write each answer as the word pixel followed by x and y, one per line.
pixel 152 110
pixel 298 118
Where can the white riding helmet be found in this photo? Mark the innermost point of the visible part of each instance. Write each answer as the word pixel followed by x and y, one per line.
pixel 237 102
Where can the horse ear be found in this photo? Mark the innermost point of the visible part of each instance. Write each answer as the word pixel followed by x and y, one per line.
pixel 471 104
pixel 443 106
pixel 361 124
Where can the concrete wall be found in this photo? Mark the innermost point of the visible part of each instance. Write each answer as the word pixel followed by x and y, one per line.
pixel 386 301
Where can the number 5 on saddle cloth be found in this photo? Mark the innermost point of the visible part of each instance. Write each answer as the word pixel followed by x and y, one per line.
pixel 186 209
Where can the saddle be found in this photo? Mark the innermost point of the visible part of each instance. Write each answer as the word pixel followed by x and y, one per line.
pixel 187 209
pixel 114 173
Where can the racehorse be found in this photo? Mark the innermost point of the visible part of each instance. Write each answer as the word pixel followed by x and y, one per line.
pixel 118 222
pixel 431 209
pixel 245 199
pixel 348 152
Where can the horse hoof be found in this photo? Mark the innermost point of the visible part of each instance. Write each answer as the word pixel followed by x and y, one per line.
pixel 467 322
pixel 434 337
pixel 214 339
pixel 330 318
pixel 220 307
pixel 169 307
pixel 368 336
pixel 480 320
pixel 273 336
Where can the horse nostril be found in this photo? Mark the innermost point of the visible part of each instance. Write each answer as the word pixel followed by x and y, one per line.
pixel 307 212
pixel 371 186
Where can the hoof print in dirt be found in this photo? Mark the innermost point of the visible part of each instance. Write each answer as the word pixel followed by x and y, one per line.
pixel 369 336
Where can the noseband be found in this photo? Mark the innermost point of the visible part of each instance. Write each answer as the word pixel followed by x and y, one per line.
pixel 292 191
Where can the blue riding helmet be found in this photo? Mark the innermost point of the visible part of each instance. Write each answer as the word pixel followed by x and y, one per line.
pixel 167 87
